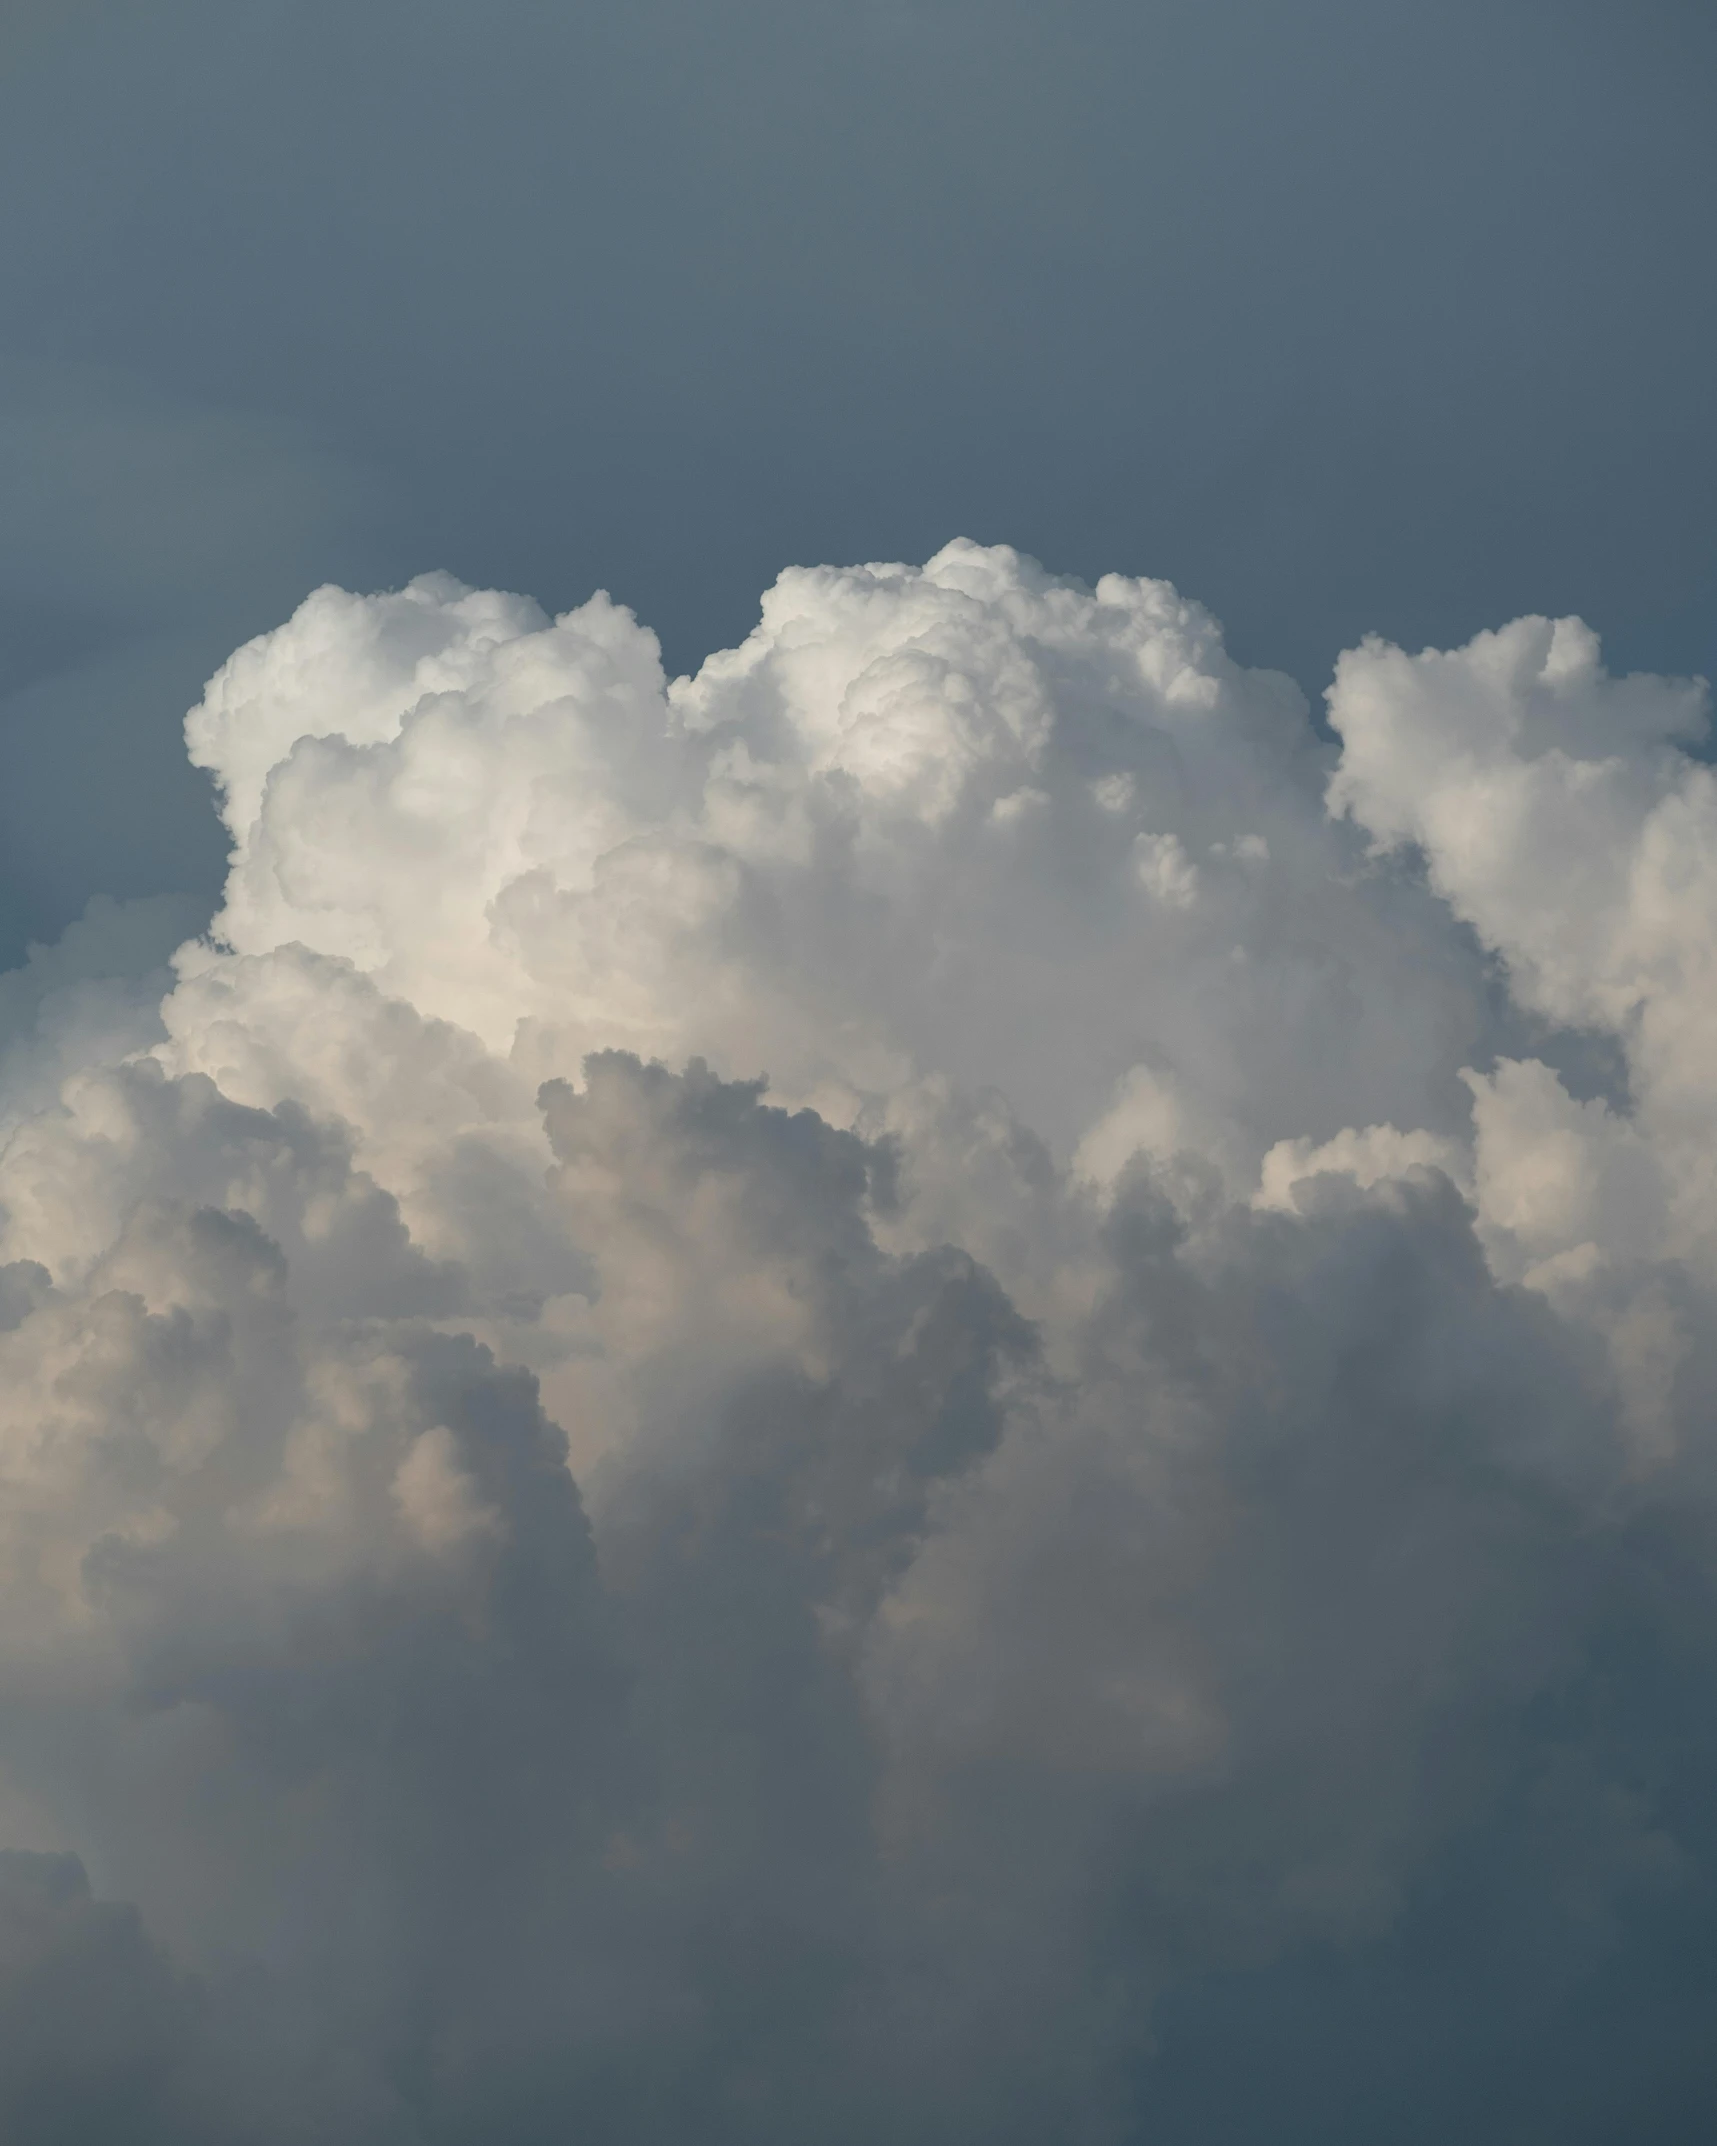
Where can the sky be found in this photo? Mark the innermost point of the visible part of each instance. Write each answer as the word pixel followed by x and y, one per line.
pixel 1345 317
pixel 858 1225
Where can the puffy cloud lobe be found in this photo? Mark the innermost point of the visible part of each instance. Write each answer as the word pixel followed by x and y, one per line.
pixel 1560 820
pixel 880 841
pixel 894 1391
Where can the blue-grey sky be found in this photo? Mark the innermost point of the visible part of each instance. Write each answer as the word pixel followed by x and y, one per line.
pixel 1345 315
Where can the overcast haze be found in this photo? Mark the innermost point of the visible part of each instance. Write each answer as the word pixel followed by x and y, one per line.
pixel 836 1351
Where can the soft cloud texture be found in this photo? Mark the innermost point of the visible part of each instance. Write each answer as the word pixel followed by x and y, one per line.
pixel 935 1386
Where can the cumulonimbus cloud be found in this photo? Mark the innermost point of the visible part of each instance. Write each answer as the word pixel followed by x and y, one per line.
pixel 943 1386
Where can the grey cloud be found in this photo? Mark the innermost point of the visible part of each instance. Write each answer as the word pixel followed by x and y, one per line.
pixel 1124 1545
pixel 951 1383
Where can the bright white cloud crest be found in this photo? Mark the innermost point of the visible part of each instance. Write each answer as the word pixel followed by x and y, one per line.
pixel 575 1589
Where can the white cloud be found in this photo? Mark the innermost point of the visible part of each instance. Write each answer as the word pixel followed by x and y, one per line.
pixel 1559 818
pixel 611 1589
